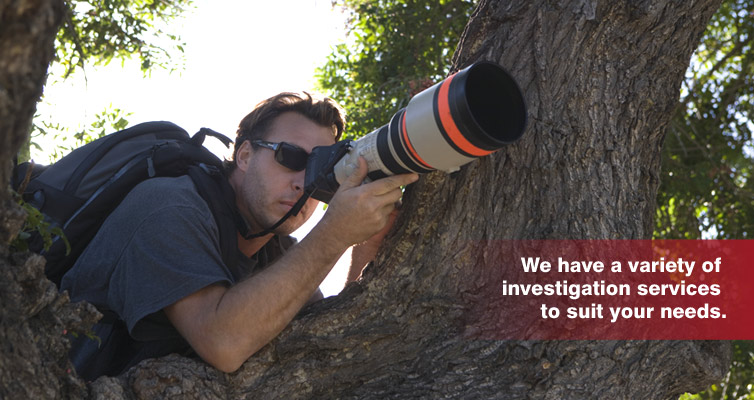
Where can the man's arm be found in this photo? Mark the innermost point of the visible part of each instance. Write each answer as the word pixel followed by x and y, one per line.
pixel 364 253
pixel 225 326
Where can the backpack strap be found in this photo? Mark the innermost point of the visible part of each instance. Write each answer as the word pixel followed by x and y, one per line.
pixel 220 197
pixel 198 138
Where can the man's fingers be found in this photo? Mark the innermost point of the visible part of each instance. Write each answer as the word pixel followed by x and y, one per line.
pixel 391 197
pixel 357 175
pixel 392 182
pixel 380 186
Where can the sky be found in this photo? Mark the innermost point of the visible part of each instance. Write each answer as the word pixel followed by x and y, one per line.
pixel 237 53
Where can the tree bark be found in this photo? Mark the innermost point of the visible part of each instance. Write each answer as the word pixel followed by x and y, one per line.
pixel 601 78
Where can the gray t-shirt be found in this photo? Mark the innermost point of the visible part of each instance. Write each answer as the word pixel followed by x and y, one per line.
pixel 158 246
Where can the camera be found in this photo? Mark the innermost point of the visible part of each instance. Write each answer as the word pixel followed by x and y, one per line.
pixel 468 115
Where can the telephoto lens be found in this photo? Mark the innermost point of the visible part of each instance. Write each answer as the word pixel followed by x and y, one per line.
pixel 468 115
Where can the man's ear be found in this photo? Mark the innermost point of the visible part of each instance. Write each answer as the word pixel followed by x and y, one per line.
pixel 243 156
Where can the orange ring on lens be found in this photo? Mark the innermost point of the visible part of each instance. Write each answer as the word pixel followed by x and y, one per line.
pixel 446 119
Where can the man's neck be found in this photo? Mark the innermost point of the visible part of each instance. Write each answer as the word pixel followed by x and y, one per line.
pixel 249 247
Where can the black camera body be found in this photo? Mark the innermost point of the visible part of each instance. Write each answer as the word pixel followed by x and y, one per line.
pixel 319 178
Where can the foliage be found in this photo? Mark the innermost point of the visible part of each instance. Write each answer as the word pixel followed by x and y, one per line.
pixel 35 222
pixel 397 48
pixel 102 30
pixel 64 139
pixel 706 188
pixel 97 32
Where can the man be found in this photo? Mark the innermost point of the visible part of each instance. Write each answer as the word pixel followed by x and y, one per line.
pixel 155 264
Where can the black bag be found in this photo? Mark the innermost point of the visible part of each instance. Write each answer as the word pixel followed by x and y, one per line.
pixel 79 191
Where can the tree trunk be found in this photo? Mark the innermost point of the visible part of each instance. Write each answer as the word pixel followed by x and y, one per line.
pixel 601 79
pixel 33 351
pixel 27 32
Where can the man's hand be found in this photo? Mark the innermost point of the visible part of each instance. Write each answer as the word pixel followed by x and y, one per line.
pixel 359 211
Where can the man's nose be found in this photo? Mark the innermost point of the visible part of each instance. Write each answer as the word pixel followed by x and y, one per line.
pixel 298 181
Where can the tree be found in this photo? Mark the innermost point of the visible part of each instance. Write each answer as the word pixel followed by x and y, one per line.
pixel 27 32
pixel 707 156
pixel 737 382
pixel 601 80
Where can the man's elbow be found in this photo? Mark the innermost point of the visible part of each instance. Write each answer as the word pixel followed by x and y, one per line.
pixel 227 366
pixel 227 357
pixel 224 362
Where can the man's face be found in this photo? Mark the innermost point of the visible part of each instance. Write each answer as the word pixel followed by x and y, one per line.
pixel 268 189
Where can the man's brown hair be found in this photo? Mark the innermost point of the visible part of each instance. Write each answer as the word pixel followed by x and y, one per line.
pixel 322 111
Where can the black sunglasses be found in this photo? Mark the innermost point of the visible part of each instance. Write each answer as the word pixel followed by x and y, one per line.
pixel 286 154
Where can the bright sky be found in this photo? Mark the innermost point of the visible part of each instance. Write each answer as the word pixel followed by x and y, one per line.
pixel 237 53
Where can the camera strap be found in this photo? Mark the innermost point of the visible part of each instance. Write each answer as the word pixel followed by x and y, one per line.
pixel 293 211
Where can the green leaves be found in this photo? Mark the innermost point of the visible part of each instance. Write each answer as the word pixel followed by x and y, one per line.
pixel 396 49
pixel 706 188
pixel 104 30
pixel 65 139
pixel 35 222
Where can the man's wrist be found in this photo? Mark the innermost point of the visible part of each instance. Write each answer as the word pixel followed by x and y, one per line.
pixel 327 236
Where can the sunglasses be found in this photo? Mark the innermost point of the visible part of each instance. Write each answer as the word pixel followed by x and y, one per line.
pixel 286 154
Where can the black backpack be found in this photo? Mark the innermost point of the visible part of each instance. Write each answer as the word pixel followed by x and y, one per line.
pixel 79 191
